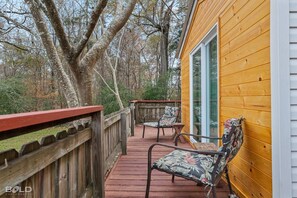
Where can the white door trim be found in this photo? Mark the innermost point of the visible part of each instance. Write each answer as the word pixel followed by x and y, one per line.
pixel 201 45
pixel 280 99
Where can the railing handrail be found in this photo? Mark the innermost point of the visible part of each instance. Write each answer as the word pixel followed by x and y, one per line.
pixel 17 124
pixel 154 101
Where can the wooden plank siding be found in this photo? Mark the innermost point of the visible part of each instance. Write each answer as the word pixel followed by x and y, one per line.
pixel 244 83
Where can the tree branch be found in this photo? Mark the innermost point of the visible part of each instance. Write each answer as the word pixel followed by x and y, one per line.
pixel 170 8
pixel 105 82
pixel 14 45
pixel 56 22
pixel 109 62
pixel 99 47
pixel 64 80
pixel 119 50
pixel 94 19
pixel 16 23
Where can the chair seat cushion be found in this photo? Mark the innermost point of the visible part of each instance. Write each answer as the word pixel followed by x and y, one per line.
pixel 151 124
pixel 185 164
pixel 163 124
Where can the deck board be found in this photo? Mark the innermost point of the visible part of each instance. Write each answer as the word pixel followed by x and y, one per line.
pixel 128 177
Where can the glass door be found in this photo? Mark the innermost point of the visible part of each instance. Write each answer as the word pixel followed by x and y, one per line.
pixel 212 88
pixel 204 88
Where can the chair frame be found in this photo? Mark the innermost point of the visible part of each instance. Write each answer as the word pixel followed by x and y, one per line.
pixel 158 126
pixel 215 177
pixel 210 138
pixel 150 168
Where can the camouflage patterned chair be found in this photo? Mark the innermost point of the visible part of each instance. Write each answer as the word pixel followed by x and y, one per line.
pixel 165 121
pixel 204 167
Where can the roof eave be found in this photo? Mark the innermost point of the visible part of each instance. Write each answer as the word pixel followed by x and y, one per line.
pixel 192 5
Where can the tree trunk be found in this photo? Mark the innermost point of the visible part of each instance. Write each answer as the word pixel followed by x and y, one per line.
pixel 85 85
pixel 164 51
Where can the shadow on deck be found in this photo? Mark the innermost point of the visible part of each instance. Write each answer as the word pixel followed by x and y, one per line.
pixel 128 177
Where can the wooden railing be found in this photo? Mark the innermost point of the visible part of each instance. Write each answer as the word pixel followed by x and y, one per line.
pixel 70 164
pixel 152 109
pixel 117 128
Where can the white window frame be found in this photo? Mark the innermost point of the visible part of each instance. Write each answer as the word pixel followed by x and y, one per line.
pixel 280 98
pixel 202 45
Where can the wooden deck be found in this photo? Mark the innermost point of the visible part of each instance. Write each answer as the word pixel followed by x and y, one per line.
pixel 128 177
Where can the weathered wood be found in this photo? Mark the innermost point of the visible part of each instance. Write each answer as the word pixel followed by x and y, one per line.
pixel 8 155
pixel 47 140
pixel 87 124
pixel 137 117
pixel 80 127
pixel 110 121
pixel 72 131
pixel 81 170
pixel 36 185
pixel 17 124
pixel 88 193
pixel 124 133
pixel 73 172
pixel 88 163
pixel 29 148
pixel 48 181
pixel 109 162
pixel 151 109
pixel 63 176
pixel 22 168
pixel 97 156
pixel 61 135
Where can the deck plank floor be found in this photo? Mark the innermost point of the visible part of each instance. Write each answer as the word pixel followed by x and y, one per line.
pixel 128 177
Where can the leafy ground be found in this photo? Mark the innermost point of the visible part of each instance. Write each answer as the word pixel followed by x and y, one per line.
pixel 17 142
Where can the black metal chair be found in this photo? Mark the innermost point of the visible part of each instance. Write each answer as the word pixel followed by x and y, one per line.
pixel 165 121
pixel 204 167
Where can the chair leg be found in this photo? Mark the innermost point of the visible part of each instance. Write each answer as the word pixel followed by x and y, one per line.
pixel 228 180
pixel 148 182
pixel 163 131
pixel 143 131
pixel 158 134
pixel 214 192
pixel 172 179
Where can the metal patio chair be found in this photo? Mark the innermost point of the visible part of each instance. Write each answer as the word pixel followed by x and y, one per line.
pixel 204 167
pixel 165 121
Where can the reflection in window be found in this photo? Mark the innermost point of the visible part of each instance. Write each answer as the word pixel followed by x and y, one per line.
pixel 197 92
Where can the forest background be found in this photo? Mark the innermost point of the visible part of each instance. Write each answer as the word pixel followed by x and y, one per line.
pixel 57 53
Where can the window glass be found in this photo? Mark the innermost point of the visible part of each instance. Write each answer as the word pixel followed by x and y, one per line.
pixel 197 92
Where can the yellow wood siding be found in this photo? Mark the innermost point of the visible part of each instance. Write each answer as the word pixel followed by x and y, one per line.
pixel 244 83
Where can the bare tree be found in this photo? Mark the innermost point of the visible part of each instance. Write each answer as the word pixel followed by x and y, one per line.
pixel 73 59
pixel 156 16
pixel 113 68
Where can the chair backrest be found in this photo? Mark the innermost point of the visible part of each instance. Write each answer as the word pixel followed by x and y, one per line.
pixel 232 140
pixel 170 116
pixel 171 111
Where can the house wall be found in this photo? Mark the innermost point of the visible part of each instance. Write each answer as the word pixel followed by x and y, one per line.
pixel 244 83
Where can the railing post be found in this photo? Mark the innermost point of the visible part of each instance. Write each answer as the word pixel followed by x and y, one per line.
pixel 136 110
pixel 132 110
pixel 98 154
pixel 124 133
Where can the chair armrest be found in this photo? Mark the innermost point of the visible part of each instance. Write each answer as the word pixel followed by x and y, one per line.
pixel 212 153
pixel 199 136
